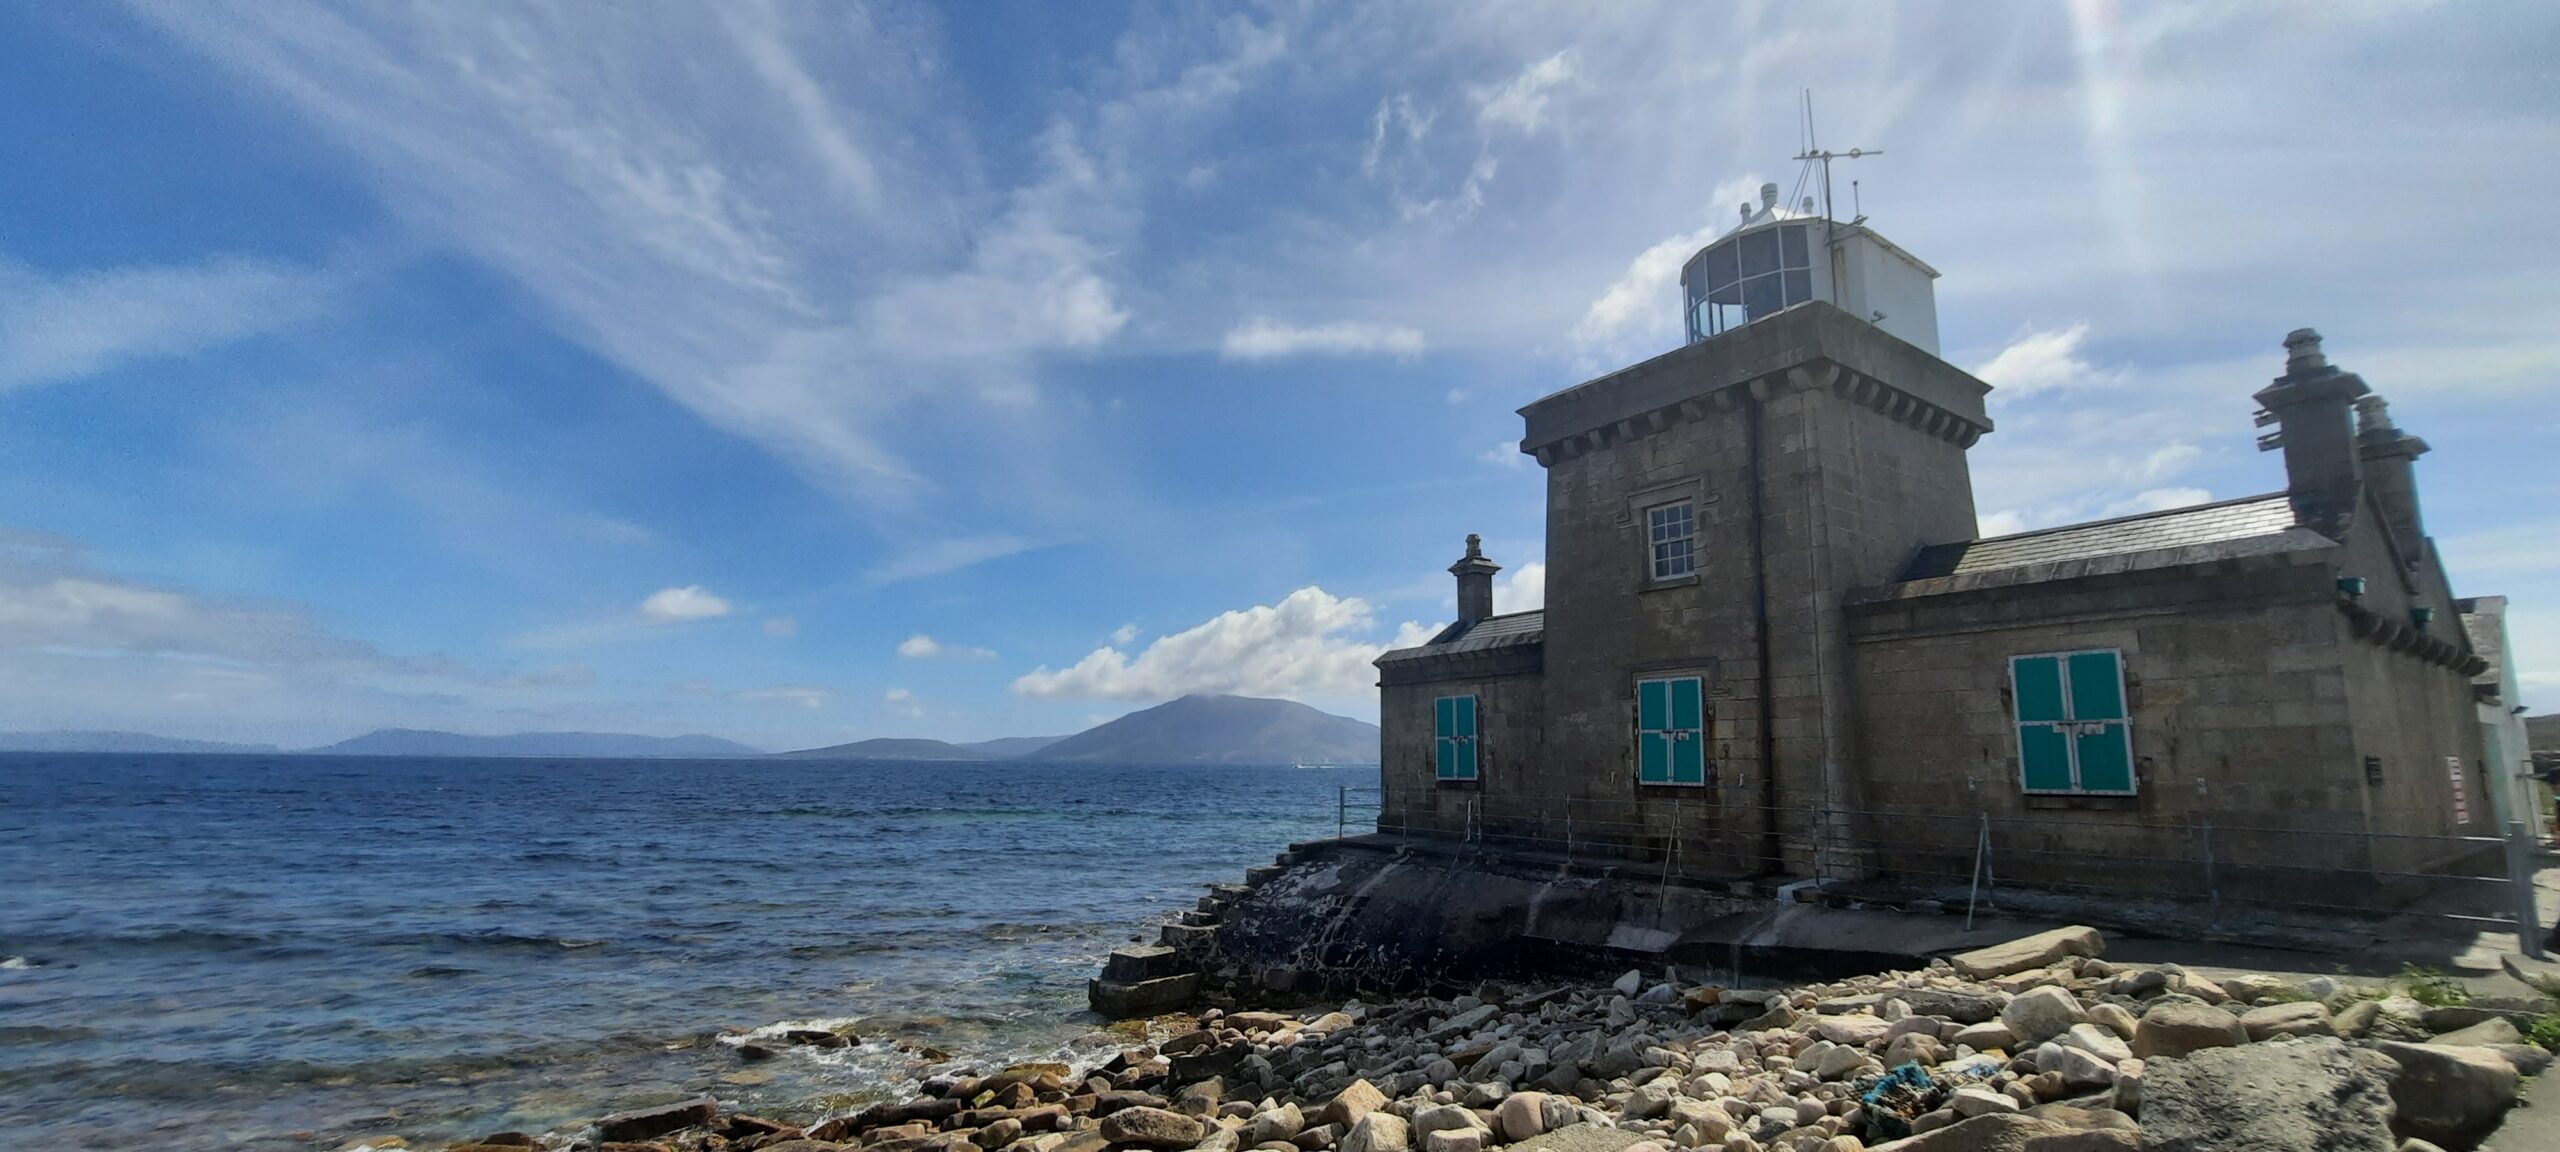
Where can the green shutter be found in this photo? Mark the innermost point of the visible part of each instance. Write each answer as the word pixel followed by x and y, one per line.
pixel 2097 688
pixel 2044 758
pixel 2106 757
pixel 1444 730
pixel 1467 742
pixel 2037 684
pixel 1689 744
pixel 1671 746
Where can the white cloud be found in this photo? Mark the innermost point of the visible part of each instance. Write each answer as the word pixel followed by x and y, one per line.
pixel 1459 396
pixel 1645 299
pixel 1125 635
pixel 1524 588
pixel 900 702
pixel 923 647
pixel 1522 103
pixel 2005 522
pixel 81 324
pixel 1263 339
pixel 1305 646
pixel 2042 360
pixel 556 676
pixel 940 556
pixel 781 626
pixel 687 603
pixel 897 695
pixel 1504 454
pixel 802 695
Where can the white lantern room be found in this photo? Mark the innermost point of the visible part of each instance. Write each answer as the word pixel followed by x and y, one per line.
pixel 1778 257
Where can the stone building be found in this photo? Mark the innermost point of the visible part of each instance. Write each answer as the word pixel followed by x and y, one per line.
pixel 1773 643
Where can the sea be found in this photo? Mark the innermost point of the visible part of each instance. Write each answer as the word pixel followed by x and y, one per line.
pixel 304 952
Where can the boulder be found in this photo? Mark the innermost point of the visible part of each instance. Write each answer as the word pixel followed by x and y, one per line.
pixel 1443 1118
pixel 1455 1140
pixel 1914 1048
pixel 2452 1096
pixel 1852 1030
pixel 2309 1095
pixel 1378 1132
pixel 643 1123
pixel 2251 987
pixel 2488 1033
pixel 1348 1106
pixel 1989 1132
pixel 1520 1116
pixel 1129 999
pixel 1281 1123
pixel 2040 1014
pixel 2026 952
pixel 2390 1018
pixel 1151 1128
pixel 2305 1018
pixel 1961 1007
pixel 2177 1027
pixel 2114 1018
pixel 2095 1040
pixel 1986 1036
pixel 1581 1137
pixel 1975 1099
pixel 2091 1140
pixel 2078 1067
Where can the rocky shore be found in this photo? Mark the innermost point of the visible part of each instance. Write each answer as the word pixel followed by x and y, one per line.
pixel 2037 1045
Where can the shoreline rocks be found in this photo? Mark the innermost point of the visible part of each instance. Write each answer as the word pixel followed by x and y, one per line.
pixel 2038 1045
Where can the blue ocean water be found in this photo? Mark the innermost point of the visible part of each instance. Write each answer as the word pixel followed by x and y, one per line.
pixel 295 952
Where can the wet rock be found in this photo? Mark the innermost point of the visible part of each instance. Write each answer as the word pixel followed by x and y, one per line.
pixel 1150 1128
pixel 2308 1095
pixel 2178 1027
pixel 643 1123
pixel 2027 952
pixel 2452 1096
pixel 2306 1018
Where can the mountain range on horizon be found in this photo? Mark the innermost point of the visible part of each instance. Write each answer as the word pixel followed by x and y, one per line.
pixel 1192 729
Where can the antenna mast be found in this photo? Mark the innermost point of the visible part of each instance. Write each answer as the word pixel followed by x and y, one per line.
pixel 1815 153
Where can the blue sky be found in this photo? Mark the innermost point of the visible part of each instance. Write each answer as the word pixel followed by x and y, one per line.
pixel 804 373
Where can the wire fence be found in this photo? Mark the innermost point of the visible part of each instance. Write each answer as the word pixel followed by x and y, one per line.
pixel 2217 872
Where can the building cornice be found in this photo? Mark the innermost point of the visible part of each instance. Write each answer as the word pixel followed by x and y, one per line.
pixel 1810 346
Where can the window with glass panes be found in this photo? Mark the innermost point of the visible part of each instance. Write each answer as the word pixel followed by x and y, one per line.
pixel 1749 275
pixel 2074 733
pixel 1672 531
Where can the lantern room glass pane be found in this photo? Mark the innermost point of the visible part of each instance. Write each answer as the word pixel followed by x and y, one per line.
pixel 1720 266
pixel 1759 252
pixel 1762 295
pixel 1793 246
pixel 1799 287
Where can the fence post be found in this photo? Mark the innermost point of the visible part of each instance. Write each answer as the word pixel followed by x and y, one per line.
pixel 2520 880
pixel 2212 889
pixel 1981 868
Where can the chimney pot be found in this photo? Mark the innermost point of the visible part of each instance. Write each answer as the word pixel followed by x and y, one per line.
pixel 2302 352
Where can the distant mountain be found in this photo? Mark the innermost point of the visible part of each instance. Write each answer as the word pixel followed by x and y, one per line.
pixel 888 748
pixel 2542 733
pixel 1224 730
pixel 415 742
pixel 1010 747
pixel 893 748
pixel 116 742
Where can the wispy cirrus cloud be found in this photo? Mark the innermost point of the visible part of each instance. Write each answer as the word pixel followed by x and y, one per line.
pixel 1263 338
pixel 71 325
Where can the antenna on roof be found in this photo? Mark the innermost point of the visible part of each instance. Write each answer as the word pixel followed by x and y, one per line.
pixel 1814 153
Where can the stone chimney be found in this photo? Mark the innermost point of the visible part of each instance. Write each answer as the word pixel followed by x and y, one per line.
pixel 2390 471
pixel 2310 406
pixel 1475 581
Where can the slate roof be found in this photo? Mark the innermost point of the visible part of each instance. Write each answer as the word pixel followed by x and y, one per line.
pixel 1514 630
pixel 2247 518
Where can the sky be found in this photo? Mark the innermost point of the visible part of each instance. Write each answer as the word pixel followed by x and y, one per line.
pixel 804 373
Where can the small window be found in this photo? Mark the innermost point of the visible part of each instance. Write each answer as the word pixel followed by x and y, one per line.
pixel 1453 738
pixel 1673 531
pixel 2074 734
pixel 1671 731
